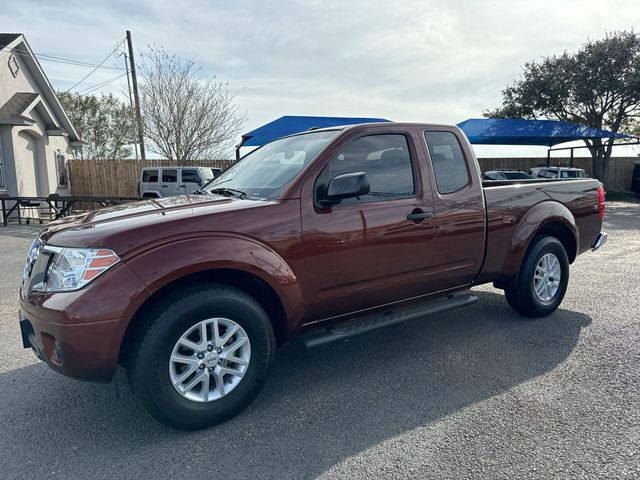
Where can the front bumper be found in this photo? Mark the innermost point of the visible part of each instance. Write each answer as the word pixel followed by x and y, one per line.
pixel 600 240
pixel 80 351
pixel 79 333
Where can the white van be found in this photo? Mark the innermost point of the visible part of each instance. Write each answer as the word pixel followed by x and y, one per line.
pixel 156 182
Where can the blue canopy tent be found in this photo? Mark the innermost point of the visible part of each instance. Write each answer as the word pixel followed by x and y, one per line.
pixel 290 124
pixel 545 133
pixel 480 131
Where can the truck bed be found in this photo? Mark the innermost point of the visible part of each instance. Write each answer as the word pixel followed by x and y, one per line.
pixel 515 208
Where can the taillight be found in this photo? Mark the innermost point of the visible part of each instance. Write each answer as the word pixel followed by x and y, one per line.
pixel 601 202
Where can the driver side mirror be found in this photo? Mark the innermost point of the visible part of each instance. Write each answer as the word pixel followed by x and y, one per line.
pixel 347 185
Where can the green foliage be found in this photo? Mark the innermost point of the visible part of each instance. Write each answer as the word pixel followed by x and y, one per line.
pixel 597 86
pixel 104 122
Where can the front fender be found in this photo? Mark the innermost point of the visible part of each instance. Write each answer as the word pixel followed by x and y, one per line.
pixel 165 263
pixel 536 218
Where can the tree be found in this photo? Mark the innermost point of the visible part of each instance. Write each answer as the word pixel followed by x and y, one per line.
pixel 597 86
pixel 104 122
pixel 186 116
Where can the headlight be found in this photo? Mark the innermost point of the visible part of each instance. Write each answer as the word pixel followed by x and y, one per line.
pixel 72 268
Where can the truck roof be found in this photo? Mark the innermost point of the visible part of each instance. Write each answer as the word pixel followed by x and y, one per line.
pixel 375 125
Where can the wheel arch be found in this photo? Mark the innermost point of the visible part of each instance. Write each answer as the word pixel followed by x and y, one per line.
pixel 564 234
pixel 150 194
pixel 550 218
pixel 245 281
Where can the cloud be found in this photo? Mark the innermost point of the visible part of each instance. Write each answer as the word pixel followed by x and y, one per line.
pixel 435 61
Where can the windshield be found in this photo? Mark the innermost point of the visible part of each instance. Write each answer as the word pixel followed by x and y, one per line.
pixel 265 172
pixel 207 174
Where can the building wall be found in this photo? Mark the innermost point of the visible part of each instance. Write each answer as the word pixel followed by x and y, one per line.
pixel 34 154
pixel 26 156
pixel 45 176
pixel 6 157
pixel 9 85
pixel 28 153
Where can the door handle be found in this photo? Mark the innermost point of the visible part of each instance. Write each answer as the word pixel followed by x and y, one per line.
pixel 419 215
pixel 164 186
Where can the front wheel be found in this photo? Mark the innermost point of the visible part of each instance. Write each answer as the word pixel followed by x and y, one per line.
pixel 203 356
pixel 541 283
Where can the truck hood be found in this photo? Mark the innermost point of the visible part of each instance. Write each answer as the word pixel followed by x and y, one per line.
pixel 125 227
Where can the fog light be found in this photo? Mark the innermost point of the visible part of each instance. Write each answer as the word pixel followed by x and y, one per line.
pixel 52 349
pixel 56 357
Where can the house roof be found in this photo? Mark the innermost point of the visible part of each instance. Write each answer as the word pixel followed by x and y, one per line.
pixel 7 38
pixel 48 101
pixel 17 104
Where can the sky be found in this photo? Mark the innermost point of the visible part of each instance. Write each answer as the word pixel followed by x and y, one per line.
pixel 425 61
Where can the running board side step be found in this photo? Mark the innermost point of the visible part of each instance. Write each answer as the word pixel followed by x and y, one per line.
pixel 368 323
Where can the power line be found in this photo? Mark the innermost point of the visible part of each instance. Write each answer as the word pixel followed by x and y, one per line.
pixel 98 66
pixel 74 62
pixel 93 88
pixel 52 58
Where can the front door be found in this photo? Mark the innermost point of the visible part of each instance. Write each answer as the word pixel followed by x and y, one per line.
pixel 169 184
pixel 377 248
pixel 190 180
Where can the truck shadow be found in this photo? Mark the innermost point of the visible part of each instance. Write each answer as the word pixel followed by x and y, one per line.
pixel 318 407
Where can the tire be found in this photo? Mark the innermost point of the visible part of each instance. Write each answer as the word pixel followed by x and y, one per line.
pixel 521 294
pixel 153 371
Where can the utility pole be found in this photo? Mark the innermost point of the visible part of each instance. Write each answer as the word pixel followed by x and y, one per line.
pixel 126 66
pixel 134 80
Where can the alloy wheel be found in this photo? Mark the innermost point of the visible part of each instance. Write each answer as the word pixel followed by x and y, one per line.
pixel 209 360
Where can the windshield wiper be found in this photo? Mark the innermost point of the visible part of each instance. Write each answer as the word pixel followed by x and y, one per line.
pixel 229 191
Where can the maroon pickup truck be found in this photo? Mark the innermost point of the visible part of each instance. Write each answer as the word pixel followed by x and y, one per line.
pixel 321 236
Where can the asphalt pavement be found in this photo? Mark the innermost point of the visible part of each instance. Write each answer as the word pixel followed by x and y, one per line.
pixel 474 393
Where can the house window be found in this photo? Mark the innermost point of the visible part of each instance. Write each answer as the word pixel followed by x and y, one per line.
pixel 63 172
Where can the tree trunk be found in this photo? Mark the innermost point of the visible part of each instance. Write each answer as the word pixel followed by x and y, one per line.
pixel 599 166
pixel 600 155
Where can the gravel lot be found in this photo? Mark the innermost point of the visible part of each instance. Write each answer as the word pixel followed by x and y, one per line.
pixel 474 393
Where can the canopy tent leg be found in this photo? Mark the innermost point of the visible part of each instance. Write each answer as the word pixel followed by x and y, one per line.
pixel 571 159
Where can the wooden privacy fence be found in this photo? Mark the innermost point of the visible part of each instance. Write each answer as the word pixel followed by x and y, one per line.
pixel 619 170
pixel 119 178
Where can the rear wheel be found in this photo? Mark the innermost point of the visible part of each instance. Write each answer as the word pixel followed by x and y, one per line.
pixel 202 357
pixel 541 283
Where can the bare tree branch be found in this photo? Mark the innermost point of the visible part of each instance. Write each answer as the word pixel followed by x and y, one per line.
pixel 186 116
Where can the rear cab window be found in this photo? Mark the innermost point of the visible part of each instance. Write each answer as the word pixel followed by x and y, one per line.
pixel 448 160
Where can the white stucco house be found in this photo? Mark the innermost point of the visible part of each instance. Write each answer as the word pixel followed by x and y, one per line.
pixel 36 136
